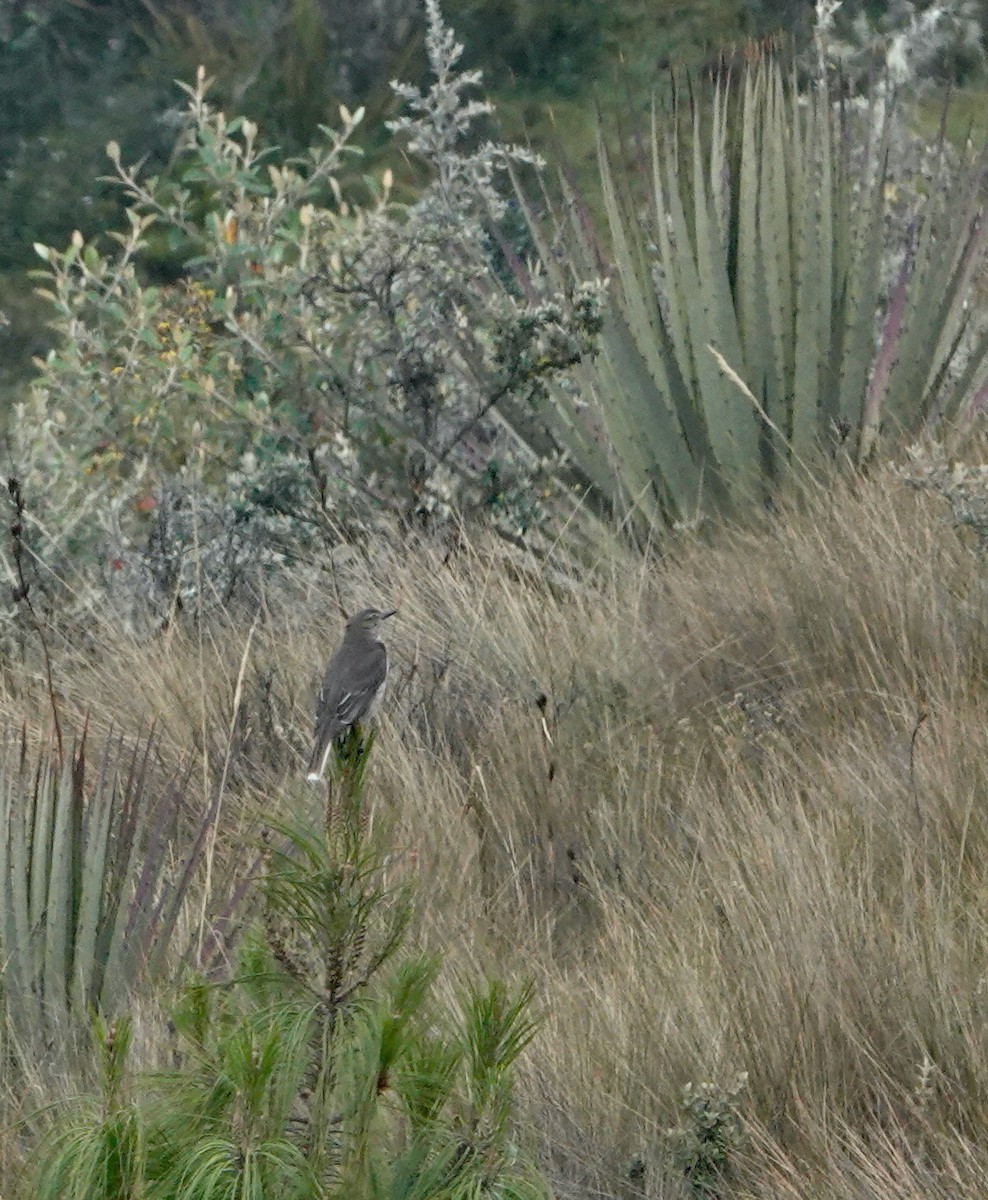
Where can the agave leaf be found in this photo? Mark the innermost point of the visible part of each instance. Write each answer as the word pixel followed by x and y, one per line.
pixel 45 801
pixel 827 202
pixel 720 168
pixel 645 432
pixel 58 919
pixel 864 283
pixel 125 872
pixel 676 314
pixel 584 440
pixel 575 427
pixel 932 312
pixel 966 384
pixel 638 300
pixel 22 788
pixel 113 887
pixel 715 291
pixel 590 259
pixel 940 381
pixel 713 393
pixel 775 240
pixel 932 332
pixel 838 249
pixel 633 343
pixel 813 297
pixel 887 350
pixel 800 126
pixel 751 287
pixel 94 871
pixel 15 930
pixel 966 247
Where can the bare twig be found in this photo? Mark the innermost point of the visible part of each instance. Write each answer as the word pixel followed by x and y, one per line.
pixel 21 594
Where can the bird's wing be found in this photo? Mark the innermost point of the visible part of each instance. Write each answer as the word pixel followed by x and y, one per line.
pixel 343 702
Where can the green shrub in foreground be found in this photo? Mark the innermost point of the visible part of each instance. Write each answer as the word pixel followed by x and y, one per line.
pixel 326 1066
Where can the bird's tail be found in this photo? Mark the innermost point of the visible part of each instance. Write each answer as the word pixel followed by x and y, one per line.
pixel 320 754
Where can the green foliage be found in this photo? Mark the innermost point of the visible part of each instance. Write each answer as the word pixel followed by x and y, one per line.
pixel 67 84
pixel 552 46
pixel 101 1156
pixel 709 1136
pixel 326 1066
pixel 743 339
pixel 497 1030
pixel 324 362
pixel 93 874
pixel 71 77
pixel 774 16
pixel 281 58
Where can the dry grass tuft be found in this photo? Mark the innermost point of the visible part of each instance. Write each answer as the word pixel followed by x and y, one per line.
pixel 728 807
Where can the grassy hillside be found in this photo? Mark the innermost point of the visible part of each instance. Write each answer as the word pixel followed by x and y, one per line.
pixel 725 805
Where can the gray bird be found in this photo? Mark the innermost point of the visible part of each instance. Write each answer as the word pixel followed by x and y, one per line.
pixel 353 687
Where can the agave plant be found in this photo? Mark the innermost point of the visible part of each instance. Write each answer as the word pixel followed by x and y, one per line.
pixel 92 879
pixel 750 326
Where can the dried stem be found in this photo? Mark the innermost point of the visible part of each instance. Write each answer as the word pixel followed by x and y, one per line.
pixel 21 594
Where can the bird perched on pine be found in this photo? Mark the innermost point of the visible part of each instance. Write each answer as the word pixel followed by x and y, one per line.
pixel 353 686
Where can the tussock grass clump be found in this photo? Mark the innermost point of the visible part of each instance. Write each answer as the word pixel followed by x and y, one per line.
pixel 723 803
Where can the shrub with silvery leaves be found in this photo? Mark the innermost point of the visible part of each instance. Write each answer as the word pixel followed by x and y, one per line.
pixel 360 347
pixel 908 44
pixel 930 467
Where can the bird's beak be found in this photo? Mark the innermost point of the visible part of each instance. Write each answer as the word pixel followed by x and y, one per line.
pixel 390 613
